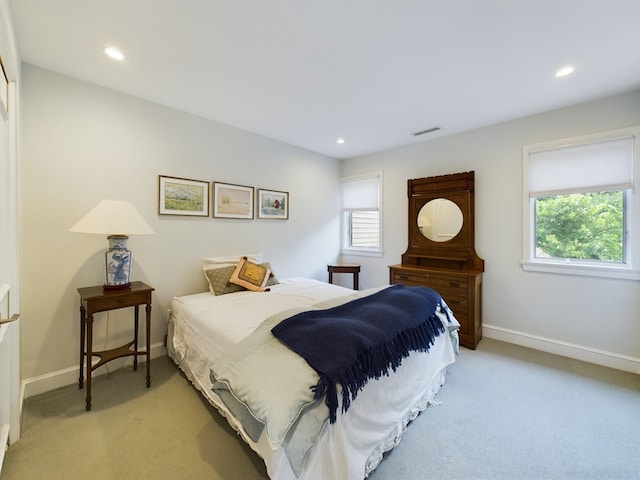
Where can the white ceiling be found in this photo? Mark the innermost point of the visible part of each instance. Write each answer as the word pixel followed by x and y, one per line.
pixel 371 71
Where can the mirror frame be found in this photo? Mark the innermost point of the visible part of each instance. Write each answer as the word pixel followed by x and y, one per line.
pixel 457 253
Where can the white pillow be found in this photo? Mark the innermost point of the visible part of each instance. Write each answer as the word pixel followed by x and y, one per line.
pixel 228 260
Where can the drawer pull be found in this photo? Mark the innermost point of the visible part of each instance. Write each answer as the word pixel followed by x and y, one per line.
pixel 404 277
pixel 454 302
pixel 454 284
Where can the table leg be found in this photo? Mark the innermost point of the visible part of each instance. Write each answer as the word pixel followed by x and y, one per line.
pixel 330 276
pixel 135 338
pixel 355 280
pixel 82 339
pixel 89 328
pixel 148 310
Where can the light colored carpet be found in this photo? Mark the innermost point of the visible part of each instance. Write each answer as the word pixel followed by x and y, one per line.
pixel 508 413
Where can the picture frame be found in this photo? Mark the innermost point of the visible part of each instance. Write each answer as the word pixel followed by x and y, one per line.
pixel 183 196
pixel 232 201
pixel 273 204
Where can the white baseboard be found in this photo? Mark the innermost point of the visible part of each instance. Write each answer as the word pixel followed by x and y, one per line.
pixel 68 376
pixel 565 349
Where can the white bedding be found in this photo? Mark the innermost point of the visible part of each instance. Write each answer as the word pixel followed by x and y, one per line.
pixel 202 327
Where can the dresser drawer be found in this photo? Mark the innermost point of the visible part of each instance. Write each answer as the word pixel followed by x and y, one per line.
pixel 407 280
pixel 437 281
pixel 455 302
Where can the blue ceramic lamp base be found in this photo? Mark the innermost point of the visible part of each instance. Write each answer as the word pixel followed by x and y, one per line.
pixel 117 263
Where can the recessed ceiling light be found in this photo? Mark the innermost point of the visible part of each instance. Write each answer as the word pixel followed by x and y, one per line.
pixel 564 71
pixel 340 141
pixel 114 53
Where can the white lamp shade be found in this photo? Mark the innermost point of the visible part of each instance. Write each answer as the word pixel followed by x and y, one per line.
pixel 113 217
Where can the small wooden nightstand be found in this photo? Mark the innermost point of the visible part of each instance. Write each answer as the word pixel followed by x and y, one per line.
pixel 97 299
pixel 353 268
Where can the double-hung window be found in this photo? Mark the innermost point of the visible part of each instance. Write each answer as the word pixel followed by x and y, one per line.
pixel 581 209
pixel 361 219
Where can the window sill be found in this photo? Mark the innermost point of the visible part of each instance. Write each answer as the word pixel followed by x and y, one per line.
pixel 361 252
pixel 583 270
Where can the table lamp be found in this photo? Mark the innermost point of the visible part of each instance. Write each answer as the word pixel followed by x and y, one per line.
pixel 117 219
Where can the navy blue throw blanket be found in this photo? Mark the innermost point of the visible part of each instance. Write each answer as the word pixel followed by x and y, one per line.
pixel 362 339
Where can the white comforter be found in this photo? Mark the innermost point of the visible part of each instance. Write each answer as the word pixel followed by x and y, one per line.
pixel 203 327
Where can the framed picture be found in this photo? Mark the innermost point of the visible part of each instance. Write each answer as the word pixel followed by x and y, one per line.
pixel 182 196
pixel 232 201
pixel 273 204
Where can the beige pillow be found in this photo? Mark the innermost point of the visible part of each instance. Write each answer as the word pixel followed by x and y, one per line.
pixel 250 275
pixel 219 283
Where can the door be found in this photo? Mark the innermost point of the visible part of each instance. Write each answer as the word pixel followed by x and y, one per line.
pixel 9 294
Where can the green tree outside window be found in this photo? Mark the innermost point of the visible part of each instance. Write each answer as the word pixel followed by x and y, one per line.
pixel 585 226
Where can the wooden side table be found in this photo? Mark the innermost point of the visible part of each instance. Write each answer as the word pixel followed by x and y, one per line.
pixel 353 268
pixel 97 299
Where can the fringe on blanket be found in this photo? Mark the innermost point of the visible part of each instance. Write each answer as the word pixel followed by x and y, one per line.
pixel 376 362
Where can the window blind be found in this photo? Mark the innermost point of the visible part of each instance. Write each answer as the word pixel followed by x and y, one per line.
pixel 360 193
pixel 599 166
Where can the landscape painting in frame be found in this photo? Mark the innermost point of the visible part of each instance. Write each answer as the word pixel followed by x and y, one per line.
pixel 183 196
pixel 232 201
pixel 273 204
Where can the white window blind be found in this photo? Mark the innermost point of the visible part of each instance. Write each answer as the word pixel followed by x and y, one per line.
pixel 360 193
pixel 599 166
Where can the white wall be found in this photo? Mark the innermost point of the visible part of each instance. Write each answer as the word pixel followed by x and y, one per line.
pixel 592 318
pixel 81 143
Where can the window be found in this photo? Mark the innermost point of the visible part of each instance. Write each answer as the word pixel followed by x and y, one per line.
pixel 361 222
pixel 581 213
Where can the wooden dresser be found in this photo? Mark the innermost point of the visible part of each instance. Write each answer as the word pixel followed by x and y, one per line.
pixel 441 253
pixel 462 290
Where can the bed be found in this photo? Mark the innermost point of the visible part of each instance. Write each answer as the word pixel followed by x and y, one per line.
pixel 206 331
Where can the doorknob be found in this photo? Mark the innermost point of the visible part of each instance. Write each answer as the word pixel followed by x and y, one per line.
pixel 13 318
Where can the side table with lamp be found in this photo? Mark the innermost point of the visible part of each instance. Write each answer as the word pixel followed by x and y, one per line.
pixel 117 219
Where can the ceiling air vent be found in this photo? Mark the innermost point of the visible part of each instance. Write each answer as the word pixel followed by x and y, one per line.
pixel 422 132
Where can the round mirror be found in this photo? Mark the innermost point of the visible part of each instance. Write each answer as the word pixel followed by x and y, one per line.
pixel 440 220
